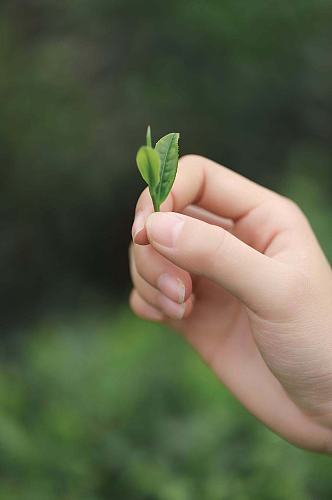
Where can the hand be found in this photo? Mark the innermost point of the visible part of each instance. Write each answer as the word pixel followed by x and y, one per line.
pixel 246 283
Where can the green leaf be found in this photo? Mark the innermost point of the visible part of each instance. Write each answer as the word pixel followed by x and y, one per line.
pixel 148 137
pixel 168 149
pixel 148 162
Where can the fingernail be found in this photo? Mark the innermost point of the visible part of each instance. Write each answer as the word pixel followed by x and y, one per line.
pixel 164 228
pixel 171 308
pixel 138 225
pixel 172 287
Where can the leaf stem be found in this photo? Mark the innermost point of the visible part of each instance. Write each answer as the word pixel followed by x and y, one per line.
pixel 156 206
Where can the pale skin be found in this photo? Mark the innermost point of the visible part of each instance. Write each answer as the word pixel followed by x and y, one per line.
pixel 236 269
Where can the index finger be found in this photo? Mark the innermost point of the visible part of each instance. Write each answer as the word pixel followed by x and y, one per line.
pixel 206 184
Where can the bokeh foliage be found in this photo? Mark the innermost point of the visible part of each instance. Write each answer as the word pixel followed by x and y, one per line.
pixel 96 406
pixel 246 83
pixel 118 409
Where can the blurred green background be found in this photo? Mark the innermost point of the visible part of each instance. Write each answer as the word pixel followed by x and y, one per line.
pixel 95 404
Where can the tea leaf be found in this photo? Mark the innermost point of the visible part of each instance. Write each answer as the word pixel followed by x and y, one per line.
pixel 158 166
pixel 148 137
pixel 148 162
pixel 168 150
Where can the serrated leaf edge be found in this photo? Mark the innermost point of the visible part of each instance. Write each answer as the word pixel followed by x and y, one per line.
pixel 176 135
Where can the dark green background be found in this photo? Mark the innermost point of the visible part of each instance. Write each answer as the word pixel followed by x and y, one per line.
pixel 95 404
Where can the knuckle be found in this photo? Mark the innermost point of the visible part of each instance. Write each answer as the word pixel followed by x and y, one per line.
pixel 191 161
pixel 136 303
pixel 292 208
pixel 141 262
pixel 189 158
pixel 148 264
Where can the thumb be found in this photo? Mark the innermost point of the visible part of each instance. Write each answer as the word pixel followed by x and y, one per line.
pixel 210 251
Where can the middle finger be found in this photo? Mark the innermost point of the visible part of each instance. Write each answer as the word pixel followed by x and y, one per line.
pixel 160 273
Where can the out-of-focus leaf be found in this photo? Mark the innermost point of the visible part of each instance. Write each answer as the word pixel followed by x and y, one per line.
pixel 148 162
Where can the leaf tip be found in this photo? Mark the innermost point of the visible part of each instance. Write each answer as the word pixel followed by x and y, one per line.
pixel 148 137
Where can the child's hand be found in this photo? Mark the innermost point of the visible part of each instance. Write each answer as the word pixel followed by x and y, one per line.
pixel 246 283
